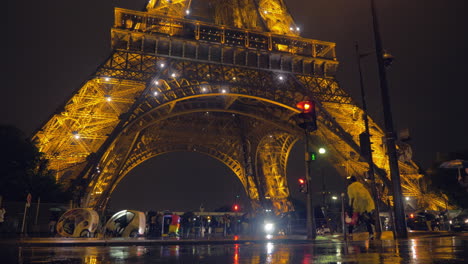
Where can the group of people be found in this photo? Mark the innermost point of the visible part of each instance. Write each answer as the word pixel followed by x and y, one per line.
pixel 190 225
pixel 187 224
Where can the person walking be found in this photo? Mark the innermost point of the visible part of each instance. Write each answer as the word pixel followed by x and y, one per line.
pixel 174 226
pixel 362 203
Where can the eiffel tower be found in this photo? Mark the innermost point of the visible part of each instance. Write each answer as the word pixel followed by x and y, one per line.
pixel 218 77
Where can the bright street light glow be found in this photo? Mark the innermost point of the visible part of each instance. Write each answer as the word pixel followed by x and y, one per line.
pixel 107 79
pixel 155 93
pixel 407 198
pixel 334 197
pixel 161 65
pixel 322 150
pixel 298 28
pixel 269 227
pixel 281 77
pixel 204 89
pixel 108 98
pixel 223 91
pixel 173 75
pixel 156 82
pixel 76 135
pixel 187 12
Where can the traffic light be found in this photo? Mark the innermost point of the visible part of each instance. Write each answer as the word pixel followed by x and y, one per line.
pixel 306 106
pixel 235 207
pixel 313 156
pixel 308 118
pixel 365 145
pixel 302 185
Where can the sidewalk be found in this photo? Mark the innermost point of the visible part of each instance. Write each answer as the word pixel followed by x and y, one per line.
pixel 66 242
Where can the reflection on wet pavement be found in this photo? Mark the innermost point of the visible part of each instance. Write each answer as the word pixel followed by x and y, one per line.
pixel 422 250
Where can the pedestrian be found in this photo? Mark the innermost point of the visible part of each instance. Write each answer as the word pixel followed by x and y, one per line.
pixel 153 225
pixel 362 203
pixel 2 217
pixel 54 217
pixel 174 226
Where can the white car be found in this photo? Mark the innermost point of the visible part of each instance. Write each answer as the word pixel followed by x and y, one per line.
pixel 126 223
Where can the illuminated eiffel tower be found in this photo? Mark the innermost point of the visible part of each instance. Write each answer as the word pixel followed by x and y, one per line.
pixel 219 77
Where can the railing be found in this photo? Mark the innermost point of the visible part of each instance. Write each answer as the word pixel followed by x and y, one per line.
pixel 195 30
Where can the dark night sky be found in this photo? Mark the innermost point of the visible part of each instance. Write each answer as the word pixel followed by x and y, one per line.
pixel 52 47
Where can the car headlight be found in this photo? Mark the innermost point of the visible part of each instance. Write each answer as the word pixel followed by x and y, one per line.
pixel 269 227
pixel 466 221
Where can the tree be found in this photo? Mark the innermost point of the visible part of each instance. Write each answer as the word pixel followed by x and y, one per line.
pixel 23 169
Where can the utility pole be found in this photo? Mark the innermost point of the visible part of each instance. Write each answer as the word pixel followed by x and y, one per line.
pixel 400 221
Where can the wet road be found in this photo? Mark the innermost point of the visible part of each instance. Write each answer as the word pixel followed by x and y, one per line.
pixel 421 250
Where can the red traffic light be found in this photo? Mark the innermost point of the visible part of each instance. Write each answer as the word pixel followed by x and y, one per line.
pixel 235 207
pixel 305 106
pixel 302 185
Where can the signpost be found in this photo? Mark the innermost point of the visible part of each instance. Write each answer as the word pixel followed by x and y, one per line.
pixel 26 206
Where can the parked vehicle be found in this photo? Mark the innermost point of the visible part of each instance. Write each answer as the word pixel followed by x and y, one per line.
pixel 460 222
pixel 126 223
pixel 422 221
pixel 78 222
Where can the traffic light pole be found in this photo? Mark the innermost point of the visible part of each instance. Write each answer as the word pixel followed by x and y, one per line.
pixel 310 225
pixel 400 221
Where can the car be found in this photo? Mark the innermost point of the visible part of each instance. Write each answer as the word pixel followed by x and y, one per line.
pixel 126 223
pixel 78 222
pixel 460 222
pixel 422 220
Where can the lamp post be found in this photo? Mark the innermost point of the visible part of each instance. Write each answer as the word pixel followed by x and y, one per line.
pixel 375 196
pixel 400 221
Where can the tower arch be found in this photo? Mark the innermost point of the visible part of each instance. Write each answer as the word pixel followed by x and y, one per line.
pixel 169 66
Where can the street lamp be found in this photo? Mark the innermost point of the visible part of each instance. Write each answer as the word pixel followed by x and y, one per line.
pixel 400 221
pixel 365 143
pixel 322 150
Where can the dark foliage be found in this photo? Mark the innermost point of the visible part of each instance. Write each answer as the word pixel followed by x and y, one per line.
pixel 23 169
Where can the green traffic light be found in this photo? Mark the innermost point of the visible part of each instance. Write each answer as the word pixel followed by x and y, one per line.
pixel 313 156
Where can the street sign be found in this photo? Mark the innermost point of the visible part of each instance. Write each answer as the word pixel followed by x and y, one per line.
pixel 28 200
pixel 28 204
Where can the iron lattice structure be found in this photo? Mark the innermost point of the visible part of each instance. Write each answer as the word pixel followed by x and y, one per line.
pixel 217 77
